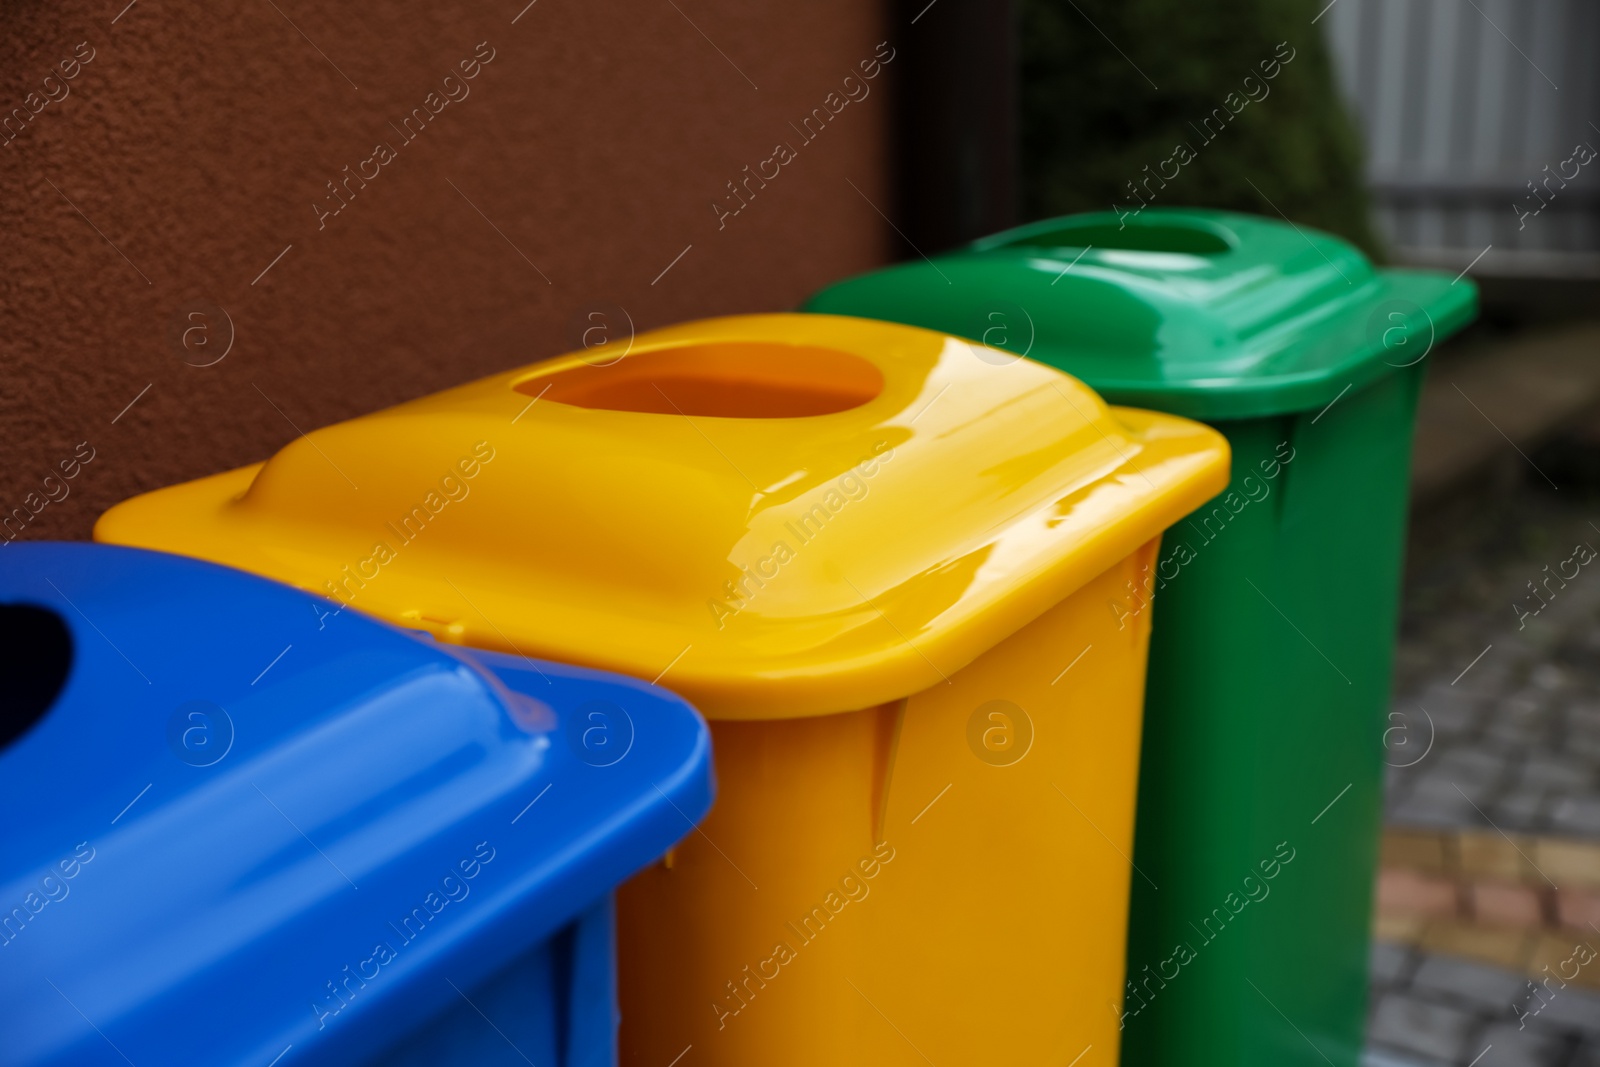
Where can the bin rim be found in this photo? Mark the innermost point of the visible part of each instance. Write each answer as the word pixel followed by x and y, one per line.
pixel 1000 487
pixel 1258 317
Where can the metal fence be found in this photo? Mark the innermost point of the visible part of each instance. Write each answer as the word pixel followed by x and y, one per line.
pixel 1481 120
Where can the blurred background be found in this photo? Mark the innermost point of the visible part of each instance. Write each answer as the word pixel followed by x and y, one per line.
pixel 1455 134
pixel 180 295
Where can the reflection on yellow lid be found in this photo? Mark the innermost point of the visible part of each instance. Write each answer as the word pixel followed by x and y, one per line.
pixel 774 515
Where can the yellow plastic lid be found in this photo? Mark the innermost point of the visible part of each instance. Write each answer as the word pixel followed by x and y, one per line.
pixel 774 515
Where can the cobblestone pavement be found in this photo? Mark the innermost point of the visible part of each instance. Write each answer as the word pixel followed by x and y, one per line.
pixel 1496 725
pixel 1433 1010
pixel 1498 667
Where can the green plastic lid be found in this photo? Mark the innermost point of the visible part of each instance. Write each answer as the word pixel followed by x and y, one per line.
pixel 1208 314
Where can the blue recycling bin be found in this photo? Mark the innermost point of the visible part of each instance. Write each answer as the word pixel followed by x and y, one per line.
pixel 243 828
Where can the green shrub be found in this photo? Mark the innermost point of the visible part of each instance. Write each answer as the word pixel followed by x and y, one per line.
pixel 1091 122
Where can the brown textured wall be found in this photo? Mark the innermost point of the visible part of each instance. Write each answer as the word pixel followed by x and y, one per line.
pixel 187 154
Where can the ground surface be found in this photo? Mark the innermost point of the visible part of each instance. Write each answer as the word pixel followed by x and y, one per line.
pixel 1499 654
pixel 1501 691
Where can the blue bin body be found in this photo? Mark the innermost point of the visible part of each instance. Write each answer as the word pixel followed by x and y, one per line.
pixel 243 829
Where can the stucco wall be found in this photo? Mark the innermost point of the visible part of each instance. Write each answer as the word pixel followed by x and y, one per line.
pixel 186 153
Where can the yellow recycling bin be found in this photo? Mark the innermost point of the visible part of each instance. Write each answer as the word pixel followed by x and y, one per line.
pixel 908 579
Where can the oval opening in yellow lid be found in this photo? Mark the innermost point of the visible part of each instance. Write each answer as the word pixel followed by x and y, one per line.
pixel 724 379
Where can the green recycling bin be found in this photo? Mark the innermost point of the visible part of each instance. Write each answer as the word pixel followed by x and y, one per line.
pixel 1261 780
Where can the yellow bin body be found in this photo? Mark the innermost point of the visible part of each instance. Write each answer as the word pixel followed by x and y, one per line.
pixel 907 586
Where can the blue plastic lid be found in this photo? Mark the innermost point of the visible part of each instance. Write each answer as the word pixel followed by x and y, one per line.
pixel 239 798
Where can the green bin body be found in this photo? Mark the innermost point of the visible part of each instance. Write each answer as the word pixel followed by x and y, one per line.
pixel 1260 795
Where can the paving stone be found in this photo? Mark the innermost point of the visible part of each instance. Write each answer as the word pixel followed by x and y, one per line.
pixel 1541 635
pixel 1409 744
pixel 1452 726
pixel 1587 1053
pixel 1416 810
pixel 1503 947
pixel 1521 809
pixel 1581 656
pixel 1568 863
pixel 1571 1009
pixel 1439 695
pixel 1519 733
pixel 1401 782
pixel 1403 892
pixel 1408 1024
pixel 1381 1057
pixel 1548 676
pixel 1414 850
pixel 1492 854
pixel 1431 801
pixel 1399 929
pixel 1454 790
pixel 1558 960
pixel 1452 712
pixel 1474 986
pixel 1556 772
pixel 1507 905
pixel 1578 815
pixel 1490 678
pixel 1564 604
pixel 1511 1047
pixel 1575 603
pixel 1578 909
pixel 1389 963
pixel 1493 675
pixel 1530 700
pixel 1473 764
